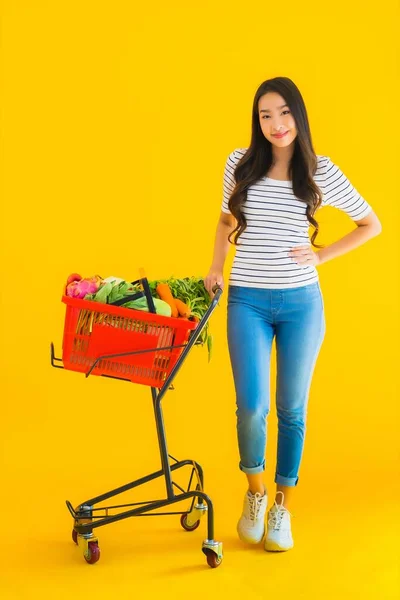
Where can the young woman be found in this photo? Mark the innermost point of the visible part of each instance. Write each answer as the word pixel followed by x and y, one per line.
pixel 271 191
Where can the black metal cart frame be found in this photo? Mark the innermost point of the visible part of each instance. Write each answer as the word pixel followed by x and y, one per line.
pixel 87 518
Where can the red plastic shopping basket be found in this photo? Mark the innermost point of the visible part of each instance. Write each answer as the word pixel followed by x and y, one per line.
pixel 94 330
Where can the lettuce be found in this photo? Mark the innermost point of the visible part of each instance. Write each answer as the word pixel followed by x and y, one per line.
pixel 162 308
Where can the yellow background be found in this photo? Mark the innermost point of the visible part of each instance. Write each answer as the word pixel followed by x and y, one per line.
pixel 117 119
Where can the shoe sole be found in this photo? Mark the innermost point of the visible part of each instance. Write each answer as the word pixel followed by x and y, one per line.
pixel 274 547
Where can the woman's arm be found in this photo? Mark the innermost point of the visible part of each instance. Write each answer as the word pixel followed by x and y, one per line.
pixel 367 228
pixel 225 225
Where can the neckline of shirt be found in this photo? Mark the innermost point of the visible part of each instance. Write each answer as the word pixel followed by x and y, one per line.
pixel 283 182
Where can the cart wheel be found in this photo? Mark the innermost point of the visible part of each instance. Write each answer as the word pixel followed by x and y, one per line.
pixel 93 554
pixel 75 536
pixel 212 559
pixel 185 525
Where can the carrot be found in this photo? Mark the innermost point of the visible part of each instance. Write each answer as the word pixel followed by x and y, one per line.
pixel 183 308
pixel 164 291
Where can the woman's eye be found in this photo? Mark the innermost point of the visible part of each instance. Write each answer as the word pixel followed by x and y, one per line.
pixel 285 111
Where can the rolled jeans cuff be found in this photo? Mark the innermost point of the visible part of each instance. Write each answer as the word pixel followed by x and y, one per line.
pixel 252 470
pixel 288 481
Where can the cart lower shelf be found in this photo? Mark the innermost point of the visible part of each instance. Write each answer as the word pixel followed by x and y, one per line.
pixel 87 518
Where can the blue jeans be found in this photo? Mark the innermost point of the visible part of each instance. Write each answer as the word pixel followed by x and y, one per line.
pixel 296 317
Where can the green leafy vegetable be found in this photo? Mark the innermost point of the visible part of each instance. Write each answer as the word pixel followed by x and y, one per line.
pixel 110 291
pixel 192 292
pixel 162 308
pixel 103 292
pixel 121 290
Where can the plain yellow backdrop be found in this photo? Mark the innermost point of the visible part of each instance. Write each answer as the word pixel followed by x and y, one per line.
pixel 116 120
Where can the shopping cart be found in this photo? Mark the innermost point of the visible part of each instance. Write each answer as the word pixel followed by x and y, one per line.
pixel 142 347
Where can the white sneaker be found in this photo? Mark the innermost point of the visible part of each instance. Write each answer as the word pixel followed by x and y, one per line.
pixel 279 535
pixel 251 526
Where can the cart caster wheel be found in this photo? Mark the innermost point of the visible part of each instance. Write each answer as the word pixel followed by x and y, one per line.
pixel 212 559
pixel 93 553
pixel 75 536
pixel 185 525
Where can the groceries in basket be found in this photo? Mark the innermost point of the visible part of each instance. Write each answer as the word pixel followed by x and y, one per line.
pixel 172 297
pixel 185 298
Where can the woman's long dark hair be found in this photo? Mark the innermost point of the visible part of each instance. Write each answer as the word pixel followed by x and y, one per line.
pixel 257 161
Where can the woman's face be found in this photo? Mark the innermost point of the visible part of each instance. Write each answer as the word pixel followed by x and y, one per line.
pixel 276 118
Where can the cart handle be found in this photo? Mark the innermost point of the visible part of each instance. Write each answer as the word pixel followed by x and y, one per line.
pixel 215 289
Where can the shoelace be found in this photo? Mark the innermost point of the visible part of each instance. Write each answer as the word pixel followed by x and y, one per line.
pixel 276 516
pixel 255 503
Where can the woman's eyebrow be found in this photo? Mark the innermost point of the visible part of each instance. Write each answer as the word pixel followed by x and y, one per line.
pixel 267 109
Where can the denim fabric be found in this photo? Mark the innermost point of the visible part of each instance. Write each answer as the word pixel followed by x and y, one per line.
pixel 295 316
